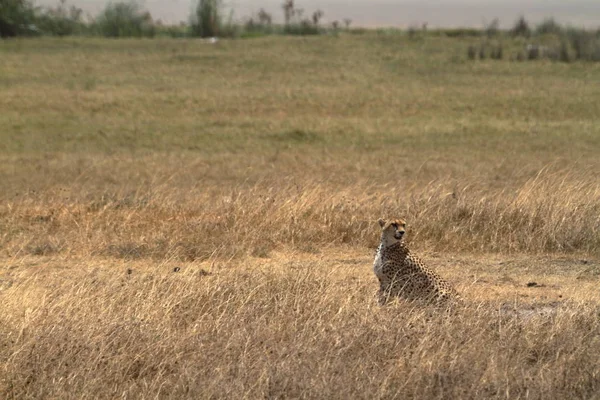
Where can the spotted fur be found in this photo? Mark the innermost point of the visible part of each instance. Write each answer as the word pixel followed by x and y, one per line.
pixel 402 274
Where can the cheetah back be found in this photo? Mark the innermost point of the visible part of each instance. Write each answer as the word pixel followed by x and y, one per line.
pixel 403 274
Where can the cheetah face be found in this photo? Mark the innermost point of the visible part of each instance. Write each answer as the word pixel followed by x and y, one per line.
pixel 392 231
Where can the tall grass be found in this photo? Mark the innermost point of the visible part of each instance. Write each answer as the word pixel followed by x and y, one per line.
pixel 285 329
pixel 550 213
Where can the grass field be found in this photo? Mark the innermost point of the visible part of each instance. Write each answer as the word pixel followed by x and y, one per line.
pixel 187 220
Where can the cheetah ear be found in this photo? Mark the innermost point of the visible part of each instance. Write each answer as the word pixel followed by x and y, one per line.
pixel 381 222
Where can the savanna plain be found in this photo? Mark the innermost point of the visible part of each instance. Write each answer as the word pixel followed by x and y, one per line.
pixel 181 219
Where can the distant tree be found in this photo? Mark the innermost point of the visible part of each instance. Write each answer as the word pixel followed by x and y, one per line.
pixel 316 17
pixel 125 19
pixel 548 26
pixel 288 11
pixel 493 28
pixel 262 23
pixel 207 20
pixel 347 22
pixel 585 44
pixel 264 18
pixel 521 28
pixel 295 24
pixel 16 17
pixel 61 20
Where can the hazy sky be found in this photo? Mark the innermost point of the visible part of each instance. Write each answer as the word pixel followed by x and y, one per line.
pixel 446 13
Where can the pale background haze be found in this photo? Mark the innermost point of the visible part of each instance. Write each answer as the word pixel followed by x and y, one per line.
pixel 399 13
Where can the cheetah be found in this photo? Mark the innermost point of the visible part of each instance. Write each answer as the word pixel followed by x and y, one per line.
pixel 401 274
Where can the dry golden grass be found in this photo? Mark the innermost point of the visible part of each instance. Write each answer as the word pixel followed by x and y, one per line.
pixel 550 212
pixel 192 221
pixel 294 326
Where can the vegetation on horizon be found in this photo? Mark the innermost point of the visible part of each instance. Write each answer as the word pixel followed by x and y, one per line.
pixel 128 19
pixel 21 17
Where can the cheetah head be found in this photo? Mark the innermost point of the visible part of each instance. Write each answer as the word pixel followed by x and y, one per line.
pixel 392 231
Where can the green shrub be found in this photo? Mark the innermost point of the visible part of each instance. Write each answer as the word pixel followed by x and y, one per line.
pixel 493 28
pixel 304 27
pixel 252 34
pixel 564 54
pixel 174 31
pixel 259 25
pixel 230 29
pixel 548 26
pixel 60 20
pixel 17 17
pixel 413 32
pixel 456 32
pixel 482 52
pixel 295 24
pixel 497 53
pixel 585 44
pixel 534 52
pixel 124 19
pixel 521 28
pixel 472 52
pixel 358 31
